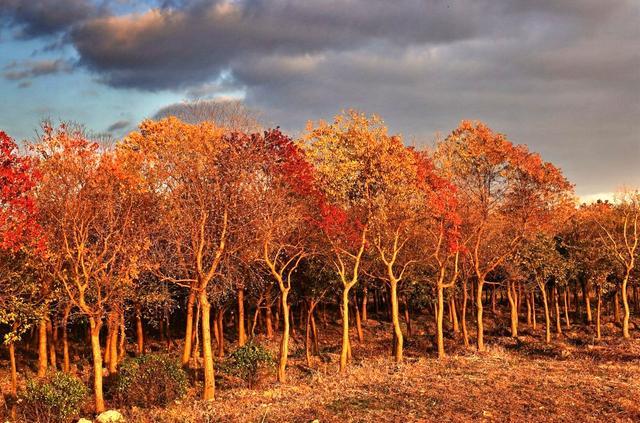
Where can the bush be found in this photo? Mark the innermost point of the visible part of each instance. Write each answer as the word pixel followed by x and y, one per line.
pixel 55 399
pixel 246 361
pixel 149 380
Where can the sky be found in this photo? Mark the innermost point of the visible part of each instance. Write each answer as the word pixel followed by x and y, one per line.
pixel 562 77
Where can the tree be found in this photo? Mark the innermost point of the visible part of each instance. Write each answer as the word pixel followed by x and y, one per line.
pixel 94 209
pixel 506 193
pixel 343 156
pixel 620 235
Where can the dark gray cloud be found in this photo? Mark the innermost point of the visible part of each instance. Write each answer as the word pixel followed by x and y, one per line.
pixel 46 17
pixel 18 71
pixel 118 125
pixel 561 76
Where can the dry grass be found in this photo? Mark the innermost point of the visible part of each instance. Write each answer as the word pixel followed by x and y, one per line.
pixel 516 380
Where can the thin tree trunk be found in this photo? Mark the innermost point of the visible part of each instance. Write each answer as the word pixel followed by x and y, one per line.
pixel 242 335
pixel 52 345
pixel 407 317
pixel 365 295
pixel 547 317
pixel 395 316
pixel 42 347
pixel 465 295
pixel 66 366
pixel 616 307
pixel 625 305
pixel 97 364
pixel 557 309
pixel 513 309
pixel 480 329
pixel 186 351
pixel 207 353
pixel 533 310
pixel 220 323
pixel 113 344
pixel 284 341
pixel 344 353
pixel 598 310
pixel 528 299
pixel 268 318
pixel 565 296
pixel 439 322
pixel 587 301
pixel 454 313
pixel 358 321
pixel 139 331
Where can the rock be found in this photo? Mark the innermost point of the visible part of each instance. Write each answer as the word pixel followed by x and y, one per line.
pixel 110 416
pixel 83 420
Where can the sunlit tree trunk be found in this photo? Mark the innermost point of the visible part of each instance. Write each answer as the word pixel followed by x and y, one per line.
pixel 95 326
pixel 465 295
pixel 598 307
pixel 513 309
pixel 547 316
pixel 242 335
pixel 52 345
pixel 557 309
pixel 365 295
pixel 207 353
pixel 439 321
pixel 479 309
pixel 66 366
pixel 186 352
pixel 139 331
pixel 625 303
pixel 565 297
pixel 42 347
pixel 344 353
pixel 284 341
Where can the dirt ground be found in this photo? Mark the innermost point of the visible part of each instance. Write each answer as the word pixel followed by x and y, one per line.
pixel 572 379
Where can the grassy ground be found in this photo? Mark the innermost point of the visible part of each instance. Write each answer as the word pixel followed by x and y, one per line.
pixel 572 379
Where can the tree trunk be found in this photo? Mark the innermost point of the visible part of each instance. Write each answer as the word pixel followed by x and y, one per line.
pixel 439 322
pixel 365 294
pixel 616 307
pixel 565 297
pixel 284 342
pixel 513 308
pixel 113 343
pixel 122 345
pixel 480 329
pixel 186 352
pixel 625 305
pixel 598 307
pixel 587 301
pixel 358 321
pixel 454 313
pixel 309 331
pixel 139 331
pixel 42 347
pixel 66 366
pixel 557 308
pixel 407 317
pixel 465 295
pixel 52 345
pixel 547 317
pixel 528 299
pixel 395 317
pixel 207 353
pixel 268 317
pixel 242 335
pixel 97 364
pixel 533 310
pixel 344 353
pixel 220 323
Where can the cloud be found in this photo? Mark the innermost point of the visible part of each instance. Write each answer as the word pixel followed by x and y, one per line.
pixel 36 18
pixel 118 125
pixel 17 71
pixel 561 76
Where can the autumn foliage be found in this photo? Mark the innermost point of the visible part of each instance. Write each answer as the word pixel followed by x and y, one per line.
pixel 198 234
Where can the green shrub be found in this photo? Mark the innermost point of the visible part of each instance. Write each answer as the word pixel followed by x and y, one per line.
pixel 245 362
pixel 54 399
pixel 149 380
